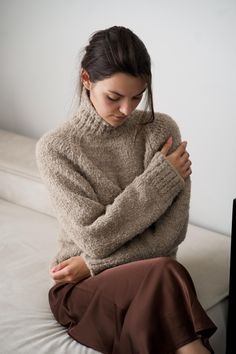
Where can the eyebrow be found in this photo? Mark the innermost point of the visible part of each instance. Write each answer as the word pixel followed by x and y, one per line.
pixel 117 93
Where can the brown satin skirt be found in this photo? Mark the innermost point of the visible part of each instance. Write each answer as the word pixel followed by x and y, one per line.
pixel 143 307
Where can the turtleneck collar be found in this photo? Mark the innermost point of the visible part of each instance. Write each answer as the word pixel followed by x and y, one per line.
pixel 90 122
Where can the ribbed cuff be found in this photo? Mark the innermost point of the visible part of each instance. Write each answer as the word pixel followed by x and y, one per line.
pixel 92 272
pixel 163 176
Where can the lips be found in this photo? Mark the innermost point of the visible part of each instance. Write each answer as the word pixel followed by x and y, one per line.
pixel 119 117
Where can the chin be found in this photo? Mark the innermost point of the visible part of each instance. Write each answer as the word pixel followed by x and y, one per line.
pixel 118 121
pixel 116 124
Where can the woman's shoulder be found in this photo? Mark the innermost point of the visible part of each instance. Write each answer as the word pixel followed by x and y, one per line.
pixel 166 123
pixel 55 141
pixel 159 129
pixel 161 120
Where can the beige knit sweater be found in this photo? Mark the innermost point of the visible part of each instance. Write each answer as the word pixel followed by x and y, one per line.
pixel 117 199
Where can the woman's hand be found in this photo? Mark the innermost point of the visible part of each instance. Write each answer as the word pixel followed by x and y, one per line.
pixel 179 158
pixel 71 270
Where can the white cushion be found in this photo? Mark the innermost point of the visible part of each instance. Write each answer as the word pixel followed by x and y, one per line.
pixel 20 182
pixel 206 255
pixel 27 243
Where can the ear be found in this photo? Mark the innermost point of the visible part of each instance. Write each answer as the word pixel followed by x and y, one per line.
pixel 85 79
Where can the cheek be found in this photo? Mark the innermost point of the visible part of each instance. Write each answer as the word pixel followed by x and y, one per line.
pixel 103 107
pixel 110 107
pixel 133 105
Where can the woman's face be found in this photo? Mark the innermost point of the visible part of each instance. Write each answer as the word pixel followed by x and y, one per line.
pixel 115 98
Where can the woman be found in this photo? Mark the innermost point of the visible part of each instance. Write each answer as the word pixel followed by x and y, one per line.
pixel 119 181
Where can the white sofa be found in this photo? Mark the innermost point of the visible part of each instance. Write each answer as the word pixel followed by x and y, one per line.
pixel 28 232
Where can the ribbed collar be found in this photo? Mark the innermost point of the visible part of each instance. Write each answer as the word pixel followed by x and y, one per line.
pixel 89 122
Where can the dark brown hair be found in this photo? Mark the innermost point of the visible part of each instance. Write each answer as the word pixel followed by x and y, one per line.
pixel 118 49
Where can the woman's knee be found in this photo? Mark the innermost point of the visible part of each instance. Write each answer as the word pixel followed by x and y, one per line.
pixel 170 267
pixel 57 297
pixel 170 263
pixel 166 262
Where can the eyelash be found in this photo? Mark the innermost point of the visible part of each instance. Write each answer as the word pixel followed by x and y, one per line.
pixel 112 99
pixel 117 99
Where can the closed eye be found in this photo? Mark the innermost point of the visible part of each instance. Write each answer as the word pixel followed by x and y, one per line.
pixel 113 99
pixel 117 99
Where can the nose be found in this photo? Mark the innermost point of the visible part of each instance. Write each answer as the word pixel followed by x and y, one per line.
pixel 126 108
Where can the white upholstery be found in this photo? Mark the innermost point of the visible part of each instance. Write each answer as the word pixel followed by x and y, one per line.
pixel 28 241
pixel 206 254
pixel 19 177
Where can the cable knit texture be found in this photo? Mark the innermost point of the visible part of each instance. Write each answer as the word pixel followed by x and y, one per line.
pixel 116 197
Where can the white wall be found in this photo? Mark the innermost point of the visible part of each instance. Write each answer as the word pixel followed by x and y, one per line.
pixel 193 49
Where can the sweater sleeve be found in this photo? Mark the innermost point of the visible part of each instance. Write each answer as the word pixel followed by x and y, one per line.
pixel 162 238
pixel 99 230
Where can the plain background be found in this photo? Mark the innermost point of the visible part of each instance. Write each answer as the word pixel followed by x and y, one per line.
pixel 193 49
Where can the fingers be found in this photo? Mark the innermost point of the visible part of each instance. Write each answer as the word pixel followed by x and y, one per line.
pixel 60 271
pixel 181 148
pixel 179 151
pixel 188 164
pixel 60 266
pixel 71 270
pixel 185 158
pixel 187 171
pixel 63 275
pixel 185 163
pixel 180 159
pixel 166 147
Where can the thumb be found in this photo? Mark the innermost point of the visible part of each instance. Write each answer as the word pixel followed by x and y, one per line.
pixel 167 146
